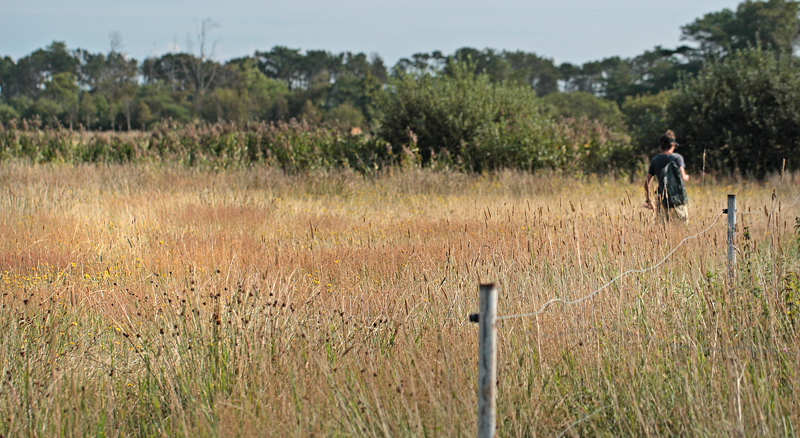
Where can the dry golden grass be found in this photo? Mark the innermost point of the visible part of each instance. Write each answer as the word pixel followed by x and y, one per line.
pixel 147 300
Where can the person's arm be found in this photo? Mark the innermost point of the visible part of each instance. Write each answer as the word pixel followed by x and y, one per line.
pixel 647 202
pixel 682 167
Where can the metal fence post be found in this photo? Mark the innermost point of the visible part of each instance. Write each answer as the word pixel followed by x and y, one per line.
pixel 731 236
pixel 487 360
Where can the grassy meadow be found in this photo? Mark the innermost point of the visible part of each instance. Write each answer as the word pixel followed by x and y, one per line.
pixel 159 300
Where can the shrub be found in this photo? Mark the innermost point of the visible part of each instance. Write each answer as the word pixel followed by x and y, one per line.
pixel 7 113
pixel 646 118
pixel 582 104
pixel 47 110
pixel 465 118
pixel 345 115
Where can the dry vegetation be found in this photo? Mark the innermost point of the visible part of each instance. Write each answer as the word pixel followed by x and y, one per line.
pixel 150 300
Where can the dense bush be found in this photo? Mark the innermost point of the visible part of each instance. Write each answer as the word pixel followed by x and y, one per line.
pixel 646 118
pixel 579 104
pixel 463 119
pixel 596 148
pixel 743 111
pixel 7 113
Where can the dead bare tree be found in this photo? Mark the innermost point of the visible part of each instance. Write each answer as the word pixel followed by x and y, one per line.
pixel 119 78
pixel 201 66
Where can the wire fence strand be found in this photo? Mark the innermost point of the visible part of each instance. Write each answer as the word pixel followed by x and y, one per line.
pixel 564 432
pixel 631 271
pixel 595 292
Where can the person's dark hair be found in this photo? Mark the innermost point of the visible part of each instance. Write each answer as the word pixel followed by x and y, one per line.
pixel 665 141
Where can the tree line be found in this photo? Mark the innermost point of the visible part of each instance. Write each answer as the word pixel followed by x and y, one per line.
pixel 740 61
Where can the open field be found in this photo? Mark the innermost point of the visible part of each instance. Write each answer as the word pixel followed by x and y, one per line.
pixel 147 300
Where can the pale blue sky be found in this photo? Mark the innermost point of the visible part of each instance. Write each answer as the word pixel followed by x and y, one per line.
pixel 573 31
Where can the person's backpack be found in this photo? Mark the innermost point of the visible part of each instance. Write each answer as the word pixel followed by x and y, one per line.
pixel 671 189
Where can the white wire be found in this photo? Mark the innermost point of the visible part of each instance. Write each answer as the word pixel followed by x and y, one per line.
pixel 583 419
pixel 792 204
pixel 556 300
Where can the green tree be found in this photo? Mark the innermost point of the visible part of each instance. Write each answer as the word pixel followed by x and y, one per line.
pixel 356 92
pixel 224 103
pixel 582 104
pixel 30 73
pixel 22 104
pixel 420 63
pixel 539 73
pixel 743 111
pixel 45 109
pixel 616 79
pixel 144 116
pixel 487 62
pixel 62 89
pixel 345 115
pixel 7 79
pixel 772 24
pixel 282 63
pixel 660 69
pixel 261 95
pixel 7 113
pixel 169 70
pixel 119 82
pixel 91 69
pixel 646 118
pixel 319 65
pixel 200 68
pixel 243 93
pixel 378 69
pixel 87 110
pixel 156 102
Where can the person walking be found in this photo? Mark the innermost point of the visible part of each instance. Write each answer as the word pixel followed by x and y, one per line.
pixel 668 208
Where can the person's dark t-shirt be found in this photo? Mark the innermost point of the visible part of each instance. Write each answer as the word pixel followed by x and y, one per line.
pixel 661 160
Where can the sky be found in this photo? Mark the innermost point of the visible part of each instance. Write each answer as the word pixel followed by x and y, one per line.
pixel 574 31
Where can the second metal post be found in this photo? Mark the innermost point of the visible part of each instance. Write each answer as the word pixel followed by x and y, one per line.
pixel 731 236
